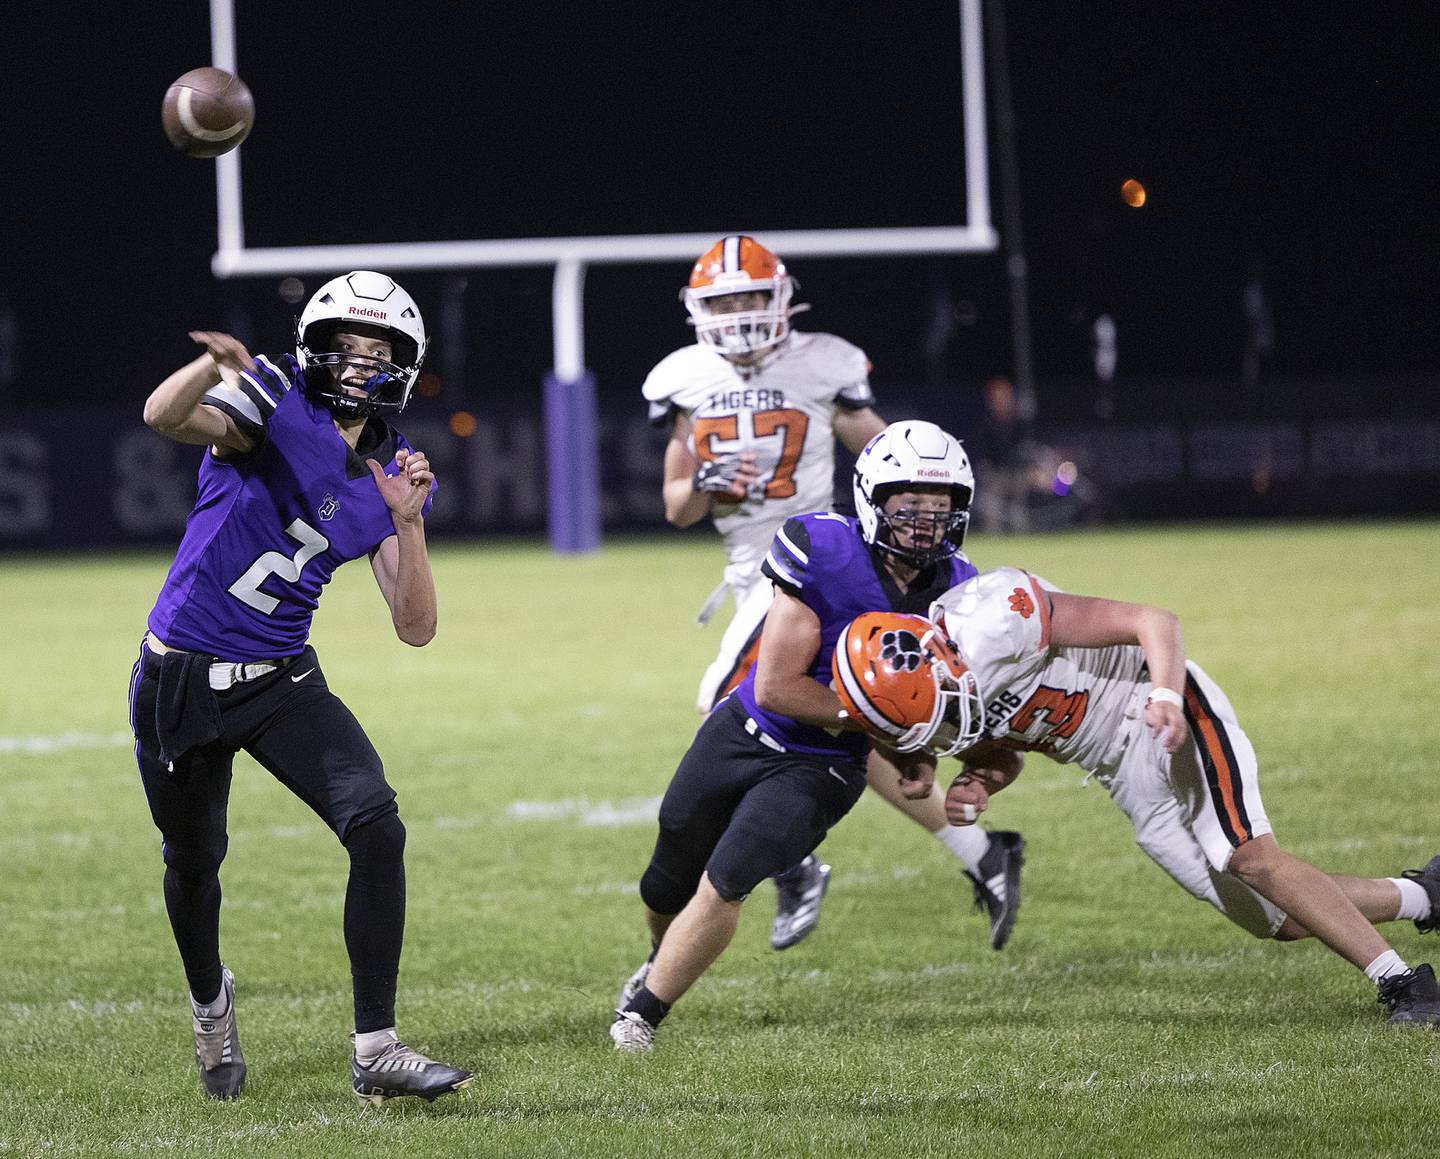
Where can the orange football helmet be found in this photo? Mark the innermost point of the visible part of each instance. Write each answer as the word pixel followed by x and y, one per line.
pixel 738 264
pixel 904 683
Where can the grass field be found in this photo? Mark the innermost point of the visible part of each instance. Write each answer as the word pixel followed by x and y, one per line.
pixel 528 745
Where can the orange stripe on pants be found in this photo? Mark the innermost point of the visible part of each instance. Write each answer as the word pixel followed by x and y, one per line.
pixel 1227 777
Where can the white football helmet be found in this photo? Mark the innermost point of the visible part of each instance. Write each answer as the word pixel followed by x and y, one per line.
pixel 366 303
pixel 739 264
pixel 904 455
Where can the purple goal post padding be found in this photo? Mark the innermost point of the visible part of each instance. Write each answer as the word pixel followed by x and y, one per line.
pixel 573 468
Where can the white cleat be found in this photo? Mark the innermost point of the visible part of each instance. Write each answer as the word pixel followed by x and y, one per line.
pixel 631 1033
pixel 217 1046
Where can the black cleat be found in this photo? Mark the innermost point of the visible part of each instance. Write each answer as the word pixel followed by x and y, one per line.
pixel 797 911
pixel 997 885
pixel 217 1047
pixel 1412 997
pixel 1429 878
pixel 397 1070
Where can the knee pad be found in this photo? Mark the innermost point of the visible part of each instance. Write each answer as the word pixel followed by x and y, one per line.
pixel 379 839
pixel 191 862
pixel 662 893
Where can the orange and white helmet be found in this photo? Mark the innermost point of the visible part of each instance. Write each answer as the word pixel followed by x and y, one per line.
pixel 738 264
pixel 905 684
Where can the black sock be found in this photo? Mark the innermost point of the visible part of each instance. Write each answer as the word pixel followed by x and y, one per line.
pixel 648 1006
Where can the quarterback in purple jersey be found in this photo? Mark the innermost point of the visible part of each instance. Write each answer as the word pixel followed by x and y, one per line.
pixel 303 473
pixel 777 764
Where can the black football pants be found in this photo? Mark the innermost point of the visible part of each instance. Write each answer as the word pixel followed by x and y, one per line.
pixel 303 734
pixel 740 811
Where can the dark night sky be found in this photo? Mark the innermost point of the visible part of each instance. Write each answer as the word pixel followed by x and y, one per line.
pixel 1299 137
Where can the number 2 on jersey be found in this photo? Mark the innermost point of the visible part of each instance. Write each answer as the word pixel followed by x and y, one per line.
pixel 246 589
pixel 789 424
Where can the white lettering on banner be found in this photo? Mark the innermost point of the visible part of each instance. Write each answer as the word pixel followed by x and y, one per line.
pixel 1124 455
pixel 507 475
pixel 154 483
pixel 24 485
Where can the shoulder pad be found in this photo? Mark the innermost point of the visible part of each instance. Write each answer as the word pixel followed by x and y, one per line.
pixel 801 545
pixel 671 374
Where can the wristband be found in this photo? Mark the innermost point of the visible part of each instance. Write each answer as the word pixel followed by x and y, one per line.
pixel 1166 696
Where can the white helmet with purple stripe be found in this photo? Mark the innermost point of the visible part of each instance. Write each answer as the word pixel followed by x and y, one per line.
pixel 907 455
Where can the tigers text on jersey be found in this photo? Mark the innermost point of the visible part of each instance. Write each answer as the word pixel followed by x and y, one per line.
pixel 1073 704
pixel 782 410
pixel 270 526
pixel 822 559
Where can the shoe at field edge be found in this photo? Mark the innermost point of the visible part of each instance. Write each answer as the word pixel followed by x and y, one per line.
pixel 997 885
pixel 797 911
pixel 631 1033
pixel 1413 998
pixel 217 1047
pixel 1429 879
pixel 398 1070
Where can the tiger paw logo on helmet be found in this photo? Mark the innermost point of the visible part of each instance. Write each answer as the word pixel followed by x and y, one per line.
pixel 903 682
pixel 901 649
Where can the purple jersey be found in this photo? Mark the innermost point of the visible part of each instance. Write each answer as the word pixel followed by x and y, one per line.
pixel 270 526
pixel 822 560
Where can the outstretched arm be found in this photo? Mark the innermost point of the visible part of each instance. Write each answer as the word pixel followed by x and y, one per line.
pixel 402 562
pixel 174 408
pixel 1086 622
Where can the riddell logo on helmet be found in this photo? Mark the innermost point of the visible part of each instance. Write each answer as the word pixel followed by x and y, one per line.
pixel 366 312
pixel 932 473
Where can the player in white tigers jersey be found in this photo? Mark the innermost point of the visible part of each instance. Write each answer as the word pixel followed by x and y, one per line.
pixel 754 408
pixel 774 424
pixel 1106 685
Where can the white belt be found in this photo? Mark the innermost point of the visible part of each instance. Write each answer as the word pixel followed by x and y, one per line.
pixel 762 736
pixel 224 675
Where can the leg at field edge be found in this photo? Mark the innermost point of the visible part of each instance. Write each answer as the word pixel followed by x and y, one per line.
pixel 1311 897
pixel 658 924
pixel 696 937
pixel 1375 897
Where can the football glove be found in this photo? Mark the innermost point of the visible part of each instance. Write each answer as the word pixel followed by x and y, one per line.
pixel 717 475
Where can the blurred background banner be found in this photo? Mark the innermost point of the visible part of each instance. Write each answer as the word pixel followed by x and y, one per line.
pixel 97 477
pixel 1213 290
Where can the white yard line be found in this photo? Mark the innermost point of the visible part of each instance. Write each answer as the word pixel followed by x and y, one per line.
pixel 42 745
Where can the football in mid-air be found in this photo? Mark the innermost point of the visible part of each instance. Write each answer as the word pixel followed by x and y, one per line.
pixel 208 111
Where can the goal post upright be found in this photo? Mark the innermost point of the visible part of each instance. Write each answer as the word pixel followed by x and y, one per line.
pixel 571 432
pixel 229 218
